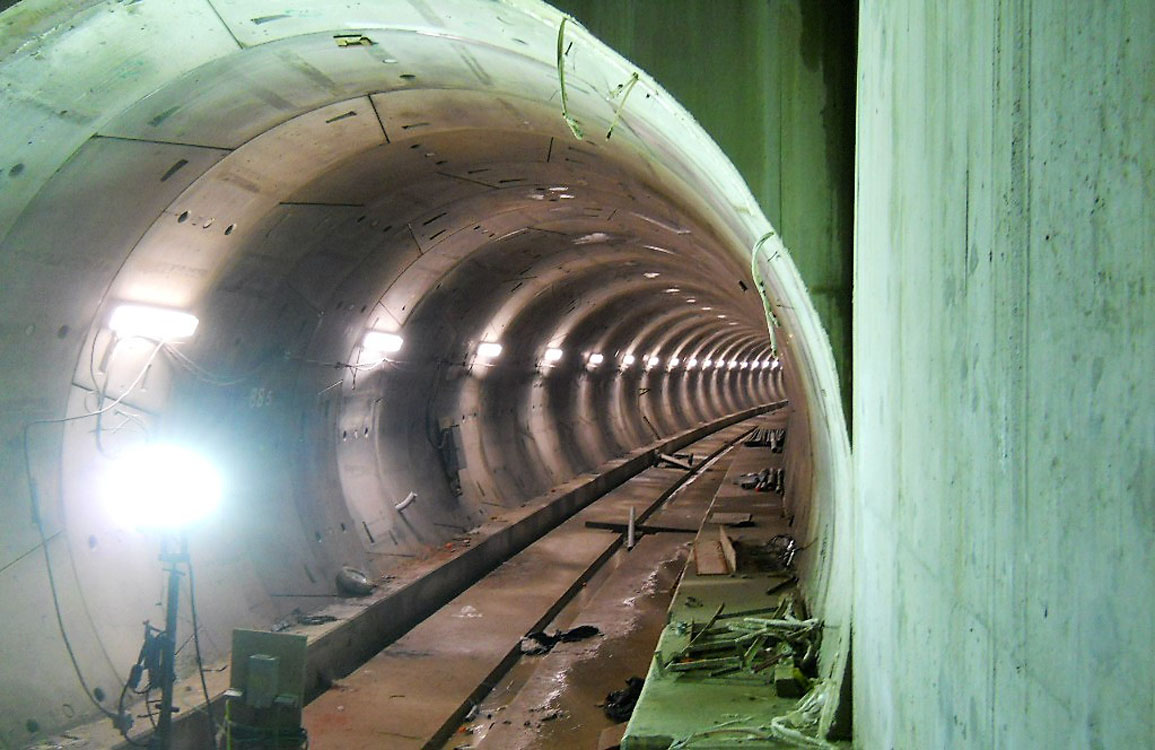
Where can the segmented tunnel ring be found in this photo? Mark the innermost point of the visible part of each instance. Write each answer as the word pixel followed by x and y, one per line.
pixel 294 190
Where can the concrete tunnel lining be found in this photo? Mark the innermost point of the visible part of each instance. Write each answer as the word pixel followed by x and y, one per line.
pixel 286 217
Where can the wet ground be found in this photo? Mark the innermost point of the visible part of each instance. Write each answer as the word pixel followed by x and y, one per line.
pixel 411 694
pixel 554 700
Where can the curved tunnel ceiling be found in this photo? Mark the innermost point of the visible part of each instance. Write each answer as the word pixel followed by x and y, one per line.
pixel 298 178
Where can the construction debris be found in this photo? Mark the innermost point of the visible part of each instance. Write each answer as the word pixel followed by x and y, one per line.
pixel 678 460
pixel 775 439
pixel 353 582
pixel 620 704
pixel 540 642
pixel 783 642
pixel 767 480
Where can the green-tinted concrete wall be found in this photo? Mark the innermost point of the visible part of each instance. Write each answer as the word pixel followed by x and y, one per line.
pixel 773 83
pixel 1004 328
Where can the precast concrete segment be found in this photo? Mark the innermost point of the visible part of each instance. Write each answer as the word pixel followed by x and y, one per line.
pixel 414 692
pixel 295 176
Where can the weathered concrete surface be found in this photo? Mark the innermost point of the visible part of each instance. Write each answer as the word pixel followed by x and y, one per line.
pixel 1004 428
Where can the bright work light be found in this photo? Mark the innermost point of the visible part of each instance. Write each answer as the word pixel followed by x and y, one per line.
pixel 162 486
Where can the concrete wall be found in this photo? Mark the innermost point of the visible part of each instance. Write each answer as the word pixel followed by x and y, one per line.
pixel 1003 425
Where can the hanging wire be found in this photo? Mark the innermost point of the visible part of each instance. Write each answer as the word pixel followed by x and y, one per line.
pixel 192 595
pixel 574 126
pixel 625 92
pixel 760 283
pixel 38 519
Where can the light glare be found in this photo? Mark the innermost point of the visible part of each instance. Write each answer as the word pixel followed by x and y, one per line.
pixel 553 354
pixel 157 323
pixel 161 486
pixel 596 359
pixel 381 342
pixel 488 350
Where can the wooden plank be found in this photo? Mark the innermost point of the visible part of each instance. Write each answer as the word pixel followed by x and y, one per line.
pixel 726 518
pixel 728 550
pixel 709 558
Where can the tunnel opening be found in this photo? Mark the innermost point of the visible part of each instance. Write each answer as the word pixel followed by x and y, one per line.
pixel 299 184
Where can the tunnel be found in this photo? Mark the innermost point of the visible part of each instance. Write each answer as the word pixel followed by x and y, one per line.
pixel 398 268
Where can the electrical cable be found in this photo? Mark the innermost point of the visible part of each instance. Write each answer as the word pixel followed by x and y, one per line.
pixel 197 646
pixel 39 521
pixel 760 284
pixel 120 724
pixel 204 374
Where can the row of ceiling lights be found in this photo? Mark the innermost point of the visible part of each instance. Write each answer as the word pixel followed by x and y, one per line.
pixel 378 345
pixel 166 325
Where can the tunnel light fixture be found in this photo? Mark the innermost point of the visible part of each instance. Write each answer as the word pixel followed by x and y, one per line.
pixel 157 323
pixel 595 359
pixel 658 249
pixel 628 359
pixel 592 238
pixel 674 362
pixel 673 290
pixel 652 361
pixel 707 309
pixel 719 364
pixel 722 317
pixel 691 364
pixel 707 363
pixel 161 486
pixel 764 364
pixel 381 342
pixel 553 355
pixel 488 350
pixel 744 364
pixel 691 301
pixel 733 364
pixel 651 274
pixel 775 364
